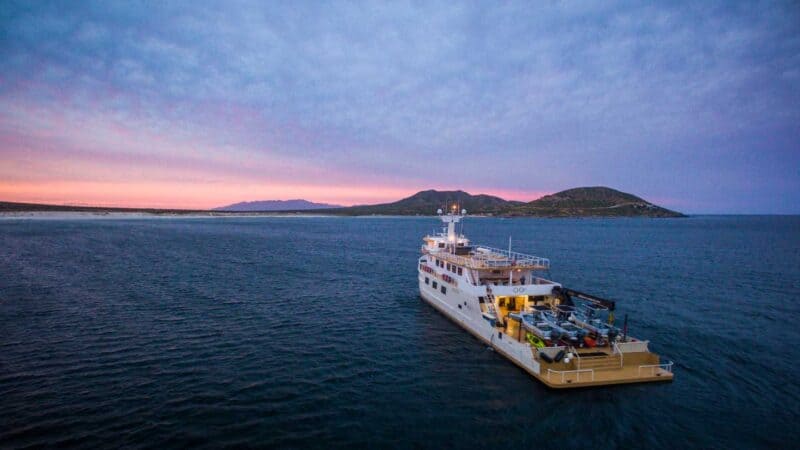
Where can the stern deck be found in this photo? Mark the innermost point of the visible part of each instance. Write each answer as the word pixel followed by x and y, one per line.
pixel 612 368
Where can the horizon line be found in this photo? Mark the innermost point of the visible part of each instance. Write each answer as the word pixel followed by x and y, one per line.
pixel 133 209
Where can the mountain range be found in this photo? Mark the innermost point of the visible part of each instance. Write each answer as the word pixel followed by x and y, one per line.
pixel 276 205
pixel 579 202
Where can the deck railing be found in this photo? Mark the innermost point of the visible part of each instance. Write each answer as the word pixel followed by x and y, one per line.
pixel 618 350
pixel 667 366
pixel 631 347
pixel 564 373
pixel 510 258
pixel 493 258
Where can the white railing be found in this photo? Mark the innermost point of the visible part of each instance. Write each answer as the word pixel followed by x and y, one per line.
pixel 492 258
pixel 577 373
pixel 507 258
pixel 488 300
pixel 667 366
pixel 632 347
pixel 618 350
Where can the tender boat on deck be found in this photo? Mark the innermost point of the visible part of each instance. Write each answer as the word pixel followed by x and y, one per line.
pixel 556 334
pixel 567 331
pixel 587 318
pixel 534 323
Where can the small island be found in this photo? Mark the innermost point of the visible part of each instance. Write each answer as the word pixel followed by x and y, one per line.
pixel 577 202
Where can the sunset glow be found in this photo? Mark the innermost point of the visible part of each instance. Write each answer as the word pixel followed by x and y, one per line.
pixel 206 105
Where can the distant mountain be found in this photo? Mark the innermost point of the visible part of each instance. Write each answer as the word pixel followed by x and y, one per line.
pixel 427 202
pixel 578 202
pixel 275 205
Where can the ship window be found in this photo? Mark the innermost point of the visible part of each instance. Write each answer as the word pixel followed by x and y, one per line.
pixel 441 244
pixel 444 290
pixel 434 285
pixel 427 280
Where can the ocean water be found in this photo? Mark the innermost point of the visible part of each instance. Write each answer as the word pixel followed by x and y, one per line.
pixel 309 332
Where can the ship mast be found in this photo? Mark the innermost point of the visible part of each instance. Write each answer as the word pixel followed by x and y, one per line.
pixel 451 219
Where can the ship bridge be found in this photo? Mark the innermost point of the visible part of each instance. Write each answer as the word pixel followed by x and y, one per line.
pixel 455 248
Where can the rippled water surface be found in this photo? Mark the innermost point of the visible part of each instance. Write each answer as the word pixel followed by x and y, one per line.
pixel 309 332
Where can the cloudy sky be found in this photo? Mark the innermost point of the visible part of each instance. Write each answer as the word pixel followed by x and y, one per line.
pixel 692 105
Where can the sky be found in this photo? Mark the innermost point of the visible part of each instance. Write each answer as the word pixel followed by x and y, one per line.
pixel 691 105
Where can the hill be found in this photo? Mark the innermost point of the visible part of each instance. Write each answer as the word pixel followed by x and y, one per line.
pixel 592 201
pixel 427 202
pixel 578 202
pixel 275 205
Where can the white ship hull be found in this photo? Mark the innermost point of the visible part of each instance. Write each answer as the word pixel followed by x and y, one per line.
pixel 470 317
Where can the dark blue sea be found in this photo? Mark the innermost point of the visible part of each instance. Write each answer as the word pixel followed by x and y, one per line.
pixel 309 332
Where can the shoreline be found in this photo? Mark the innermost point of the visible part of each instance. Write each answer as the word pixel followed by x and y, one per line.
pixel 141 215
pixel 85 215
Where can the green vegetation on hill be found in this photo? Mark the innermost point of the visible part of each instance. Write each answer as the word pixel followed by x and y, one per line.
pixel 427 202
pixel 592 201
pixel 578 202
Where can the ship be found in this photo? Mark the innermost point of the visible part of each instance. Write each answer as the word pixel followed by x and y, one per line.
pixel 562 337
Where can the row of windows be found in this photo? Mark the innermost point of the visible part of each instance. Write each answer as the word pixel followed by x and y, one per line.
pixel 451 267
pixel 435 284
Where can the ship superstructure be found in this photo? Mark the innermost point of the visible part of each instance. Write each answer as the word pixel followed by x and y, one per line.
pixel 564 338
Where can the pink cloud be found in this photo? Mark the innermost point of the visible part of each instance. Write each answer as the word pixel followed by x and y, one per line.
pixel 69 151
